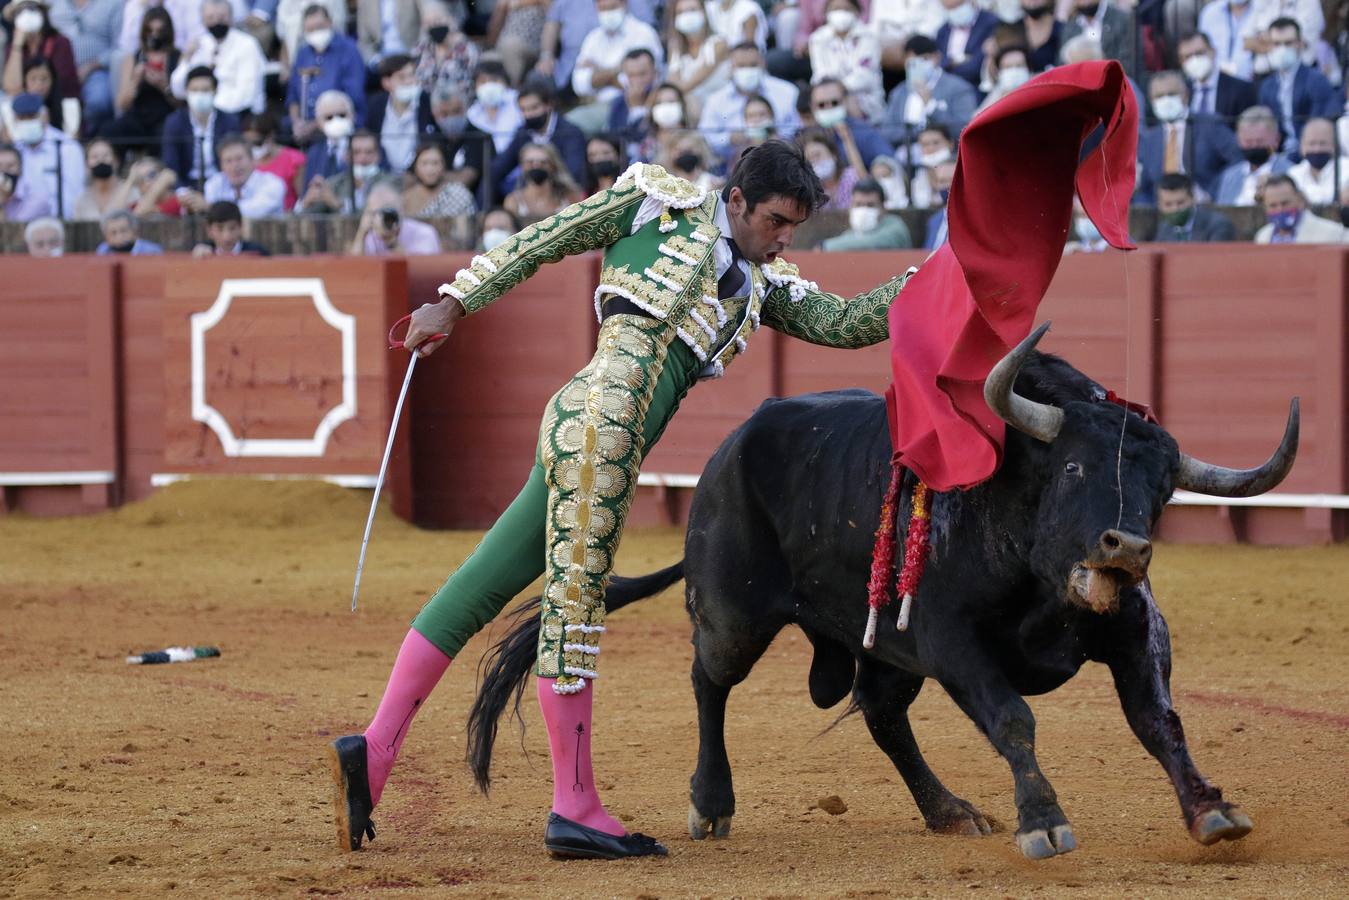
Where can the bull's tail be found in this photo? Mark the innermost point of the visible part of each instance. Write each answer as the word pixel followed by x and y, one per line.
pixel 504 670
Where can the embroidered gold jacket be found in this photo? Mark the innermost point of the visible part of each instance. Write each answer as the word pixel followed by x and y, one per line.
pixel 668 268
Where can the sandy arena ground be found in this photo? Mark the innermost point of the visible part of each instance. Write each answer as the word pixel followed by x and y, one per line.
pixel 207 777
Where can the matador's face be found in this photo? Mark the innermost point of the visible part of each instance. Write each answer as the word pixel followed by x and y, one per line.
pixel 763 233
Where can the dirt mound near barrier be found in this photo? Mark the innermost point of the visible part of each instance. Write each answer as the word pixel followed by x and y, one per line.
pixel 253 503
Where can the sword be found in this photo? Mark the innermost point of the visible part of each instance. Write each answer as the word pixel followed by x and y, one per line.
pixel 394 344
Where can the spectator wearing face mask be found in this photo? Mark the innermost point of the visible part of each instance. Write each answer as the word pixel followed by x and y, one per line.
pixel 225 234
pixel 35 38
pixel 1295 91
pixel 545 185
pixel 431 193
pixel 838 174
pixel 45 238
pixel 630 112
pixel 692 159
pixel 49 157
pixel 1258 139
pixel 848 51
pixel 829 106
pixel 1257 32
pixel 345 191
pixel 940 177
pixel 928 95
pixel 597 77
pixel 497 225
pixel 1315 175
pixel 669 118
pixel 190 133
pixel 699 59
pixel 385 231
pixel 234 56
pixel 1044 34
pixel 284 162
pixel 604 163
pixel 326 61
pixel 1288 220
pixel 121 235
pixel 724 112
pixel 93 27
pixel 961 38
pixel 543 126
pixel 568 24
pixel 1010 70
pixel 104 191
pixel 144 101
pixel 1200 146
pixel 1110 26
pixel 516 32
pixel 287 21
pixel 870 227
pixel 401 113
pixel 886 172
pixel 933 147
pixel 335 116
pixel 495 110
pixel 1213 92
pixel 1180 219
pixel 445 56
pixel 20 200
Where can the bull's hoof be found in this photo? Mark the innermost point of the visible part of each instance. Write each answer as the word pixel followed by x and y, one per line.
pixel 700 826
pixel 959 817
pixel 1224 823
pixel 1042 843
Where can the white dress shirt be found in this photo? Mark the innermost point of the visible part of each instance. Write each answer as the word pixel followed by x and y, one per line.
pixel 606 51
pixel 501 123
pixel 40 167
pixel 730 22
pixel 238 65
pixel 262 195
pixel 1319 187
pixel 854 59
pixel 724 111
pixel 1225 29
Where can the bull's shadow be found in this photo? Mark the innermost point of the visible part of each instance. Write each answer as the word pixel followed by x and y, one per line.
pixel 1031 574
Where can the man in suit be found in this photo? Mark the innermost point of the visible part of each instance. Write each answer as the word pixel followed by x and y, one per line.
pixel 1295 91
pixel 1199 145
pixel 1181 220
pixel 331 154
pixel 224 232
pixel 377 37
pixel 1108 24
pixel 961 39
pixel 543 125
pixel 1289 221
pixel 941 175
pixel 190 133
pixel 1212 91
pixel 1258 139
pixel 927 95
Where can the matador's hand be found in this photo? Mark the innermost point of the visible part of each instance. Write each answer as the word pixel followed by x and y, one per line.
pixel 429 320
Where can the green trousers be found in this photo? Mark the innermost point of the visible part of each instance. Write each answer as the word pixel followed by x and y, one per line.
pixel 568 518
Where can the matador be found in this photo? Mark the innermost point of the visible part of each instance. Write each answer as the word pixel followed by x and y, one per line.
pixel 688 277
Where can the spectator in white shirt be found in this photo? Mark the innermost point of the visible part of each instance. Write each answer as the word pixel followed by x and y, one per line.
pixel 599 63
pixel 738 21
pixel 258 194
pixel 234 55
pixel 724 111
pixel 50 159
pixel 700 59
pixel 1316 175
pixel 1224 22
pixel 494 111
pixel 847 49
pixel 1255 33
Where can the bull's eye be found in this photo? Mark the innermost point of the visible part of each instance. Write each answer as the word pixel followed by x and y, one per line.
pixel 1072 468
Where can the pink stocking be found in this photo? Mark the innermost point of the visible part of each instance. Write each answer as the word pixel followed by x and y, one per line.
pixel 567 717
pixel 415 673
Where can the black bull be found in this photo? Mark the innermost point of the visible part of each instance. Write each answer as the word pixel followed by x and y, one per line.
pixel 1031 574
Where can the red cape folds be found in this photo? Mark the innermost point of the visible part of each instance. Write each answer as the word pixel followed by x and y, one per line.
pixel 1008 215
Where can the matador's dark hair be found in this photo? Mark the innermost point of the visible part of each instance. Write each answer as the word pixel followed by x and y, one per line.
pixel 776 168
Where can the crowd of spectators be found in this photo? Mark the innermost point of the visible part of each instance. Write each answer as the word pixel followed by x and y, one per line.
pixel 495 112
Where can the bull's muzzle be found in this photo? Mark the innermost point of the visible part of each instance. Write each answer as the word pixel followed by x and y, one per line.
pixel 1119 560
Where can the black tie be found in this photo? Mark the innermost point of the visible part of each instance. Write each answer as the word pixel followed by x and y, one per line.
pixel 733 279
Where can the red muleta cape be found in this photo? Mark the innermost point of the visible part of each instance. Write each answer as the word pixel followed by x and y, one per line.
pixel 1008 215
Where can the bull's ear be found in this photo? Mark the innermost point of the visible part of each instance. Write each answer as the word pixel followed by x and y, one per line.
pixel 832 671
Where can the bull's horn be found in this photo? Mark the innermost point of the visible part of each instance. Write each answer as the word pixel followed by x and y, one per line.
pixel 1039 420
pixel 1216 481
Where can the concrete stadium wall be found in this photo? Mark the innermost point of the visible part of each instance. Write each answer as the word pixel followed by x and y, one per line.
pixel 97 375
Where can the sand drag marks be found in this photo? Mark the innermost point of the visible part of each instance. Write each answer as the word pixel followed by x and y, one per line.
pixel 208 776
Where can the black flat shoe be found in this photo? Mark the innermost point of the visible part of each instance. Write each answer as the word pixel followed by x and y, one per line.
pixel 351 791
pixel 572 840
